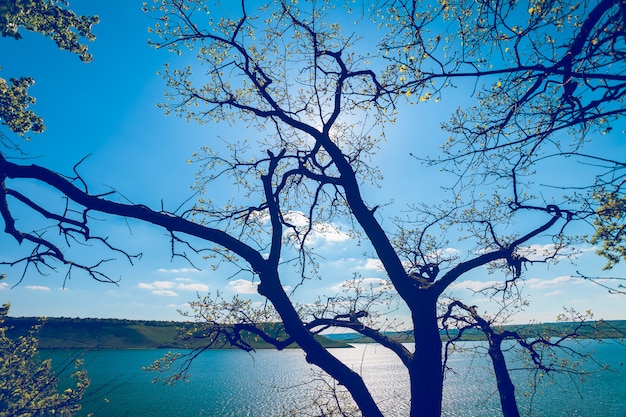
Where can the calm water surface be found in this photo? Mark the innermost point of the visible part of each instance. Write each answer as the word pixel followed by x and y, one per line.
pixel 270 383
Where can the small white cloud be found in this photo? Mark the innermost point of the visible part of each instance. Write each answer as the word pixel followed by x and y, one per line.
pixel 329 233
pixel 159 287
pixel 163 284
pixel 180 307
pixel 553 293
pixel 167 287
pixel 37 287
pixel 3 285
pixel 177 271
pixel 326 232
pixel 374 283
pixel 441 254
pixel 183 279
pixel 193 287
pixel 243 286
pixel 373 264
pixel 539 252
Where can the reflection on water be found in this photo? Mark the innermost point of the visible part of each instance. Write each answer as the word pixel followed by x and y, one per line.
pixel 268 383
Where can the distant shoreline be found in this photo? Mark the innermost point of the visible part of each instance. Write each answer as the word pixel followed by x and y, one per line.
pixel 602 329
pixel 93 334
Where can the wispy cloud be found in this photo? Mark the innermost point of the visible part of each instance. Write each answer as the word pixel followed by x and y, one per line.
pixel 3 285
pixel 539 252
pixel 193 287
pixel 438 255
pixel 473 285
pixel 169 288
pixel 177 271
pixel 540 284
pixel 533 283
pixel 157 285
pixel 180 307
pixel 167 293
pixel 374 264
pixel 374 283
pixel 37 287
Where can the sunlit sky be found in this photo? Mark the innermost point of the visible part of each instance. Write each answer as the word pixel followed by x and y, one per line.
pixel 107 109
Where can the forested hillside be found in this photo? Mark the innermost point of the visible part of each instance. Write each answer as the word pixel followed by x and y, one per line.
pixel 67 333
pixel 605 329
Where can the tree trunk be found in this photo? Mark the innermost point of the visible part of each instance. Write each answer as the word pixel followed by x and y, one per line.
pixel 505 385
pixel 316 354
pixel 426 370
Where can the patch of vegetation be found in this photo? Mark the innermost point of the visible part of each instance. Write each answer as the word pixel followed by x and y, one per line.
pixel 29 385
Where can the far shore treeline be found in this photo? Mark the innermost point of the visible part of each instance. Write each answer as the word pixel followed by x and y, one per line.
pixel 89 333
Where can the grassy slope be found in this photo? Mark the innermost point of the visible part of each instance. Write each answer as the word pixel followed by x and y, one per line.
pixel 66 333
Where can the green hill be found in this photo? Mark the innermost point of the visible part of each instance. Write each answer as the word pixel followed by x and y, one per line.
pixel 74 333
pixel 606 329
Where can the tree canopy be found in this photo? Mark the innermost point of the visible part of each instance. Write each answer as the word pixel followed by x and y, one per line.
pixel 53 21
pixel 28 384
pixel 559 87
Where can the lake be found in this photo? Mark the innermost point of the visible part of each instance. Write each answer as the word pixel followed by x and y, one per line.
pixel 270 383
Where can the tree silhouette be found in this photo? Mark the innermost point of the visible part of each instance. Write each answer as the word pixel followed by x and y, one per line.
pixel 320 104
pixel 543 350
pixel 555 86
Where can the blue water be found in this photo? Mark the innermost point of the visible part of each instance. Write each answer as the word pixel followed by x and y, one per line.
pixel 270 383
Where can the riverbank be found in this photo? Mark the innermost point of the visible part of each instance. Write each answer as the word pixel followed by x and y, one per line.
pixel 88 333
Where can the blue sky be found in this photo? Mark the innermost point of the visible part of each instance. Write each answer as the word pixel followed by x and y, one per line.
pixel 107 109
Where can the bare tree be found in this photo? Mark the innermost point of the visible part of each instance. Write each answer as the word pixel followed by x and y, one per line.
pixel 543 348
pixel 554 85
